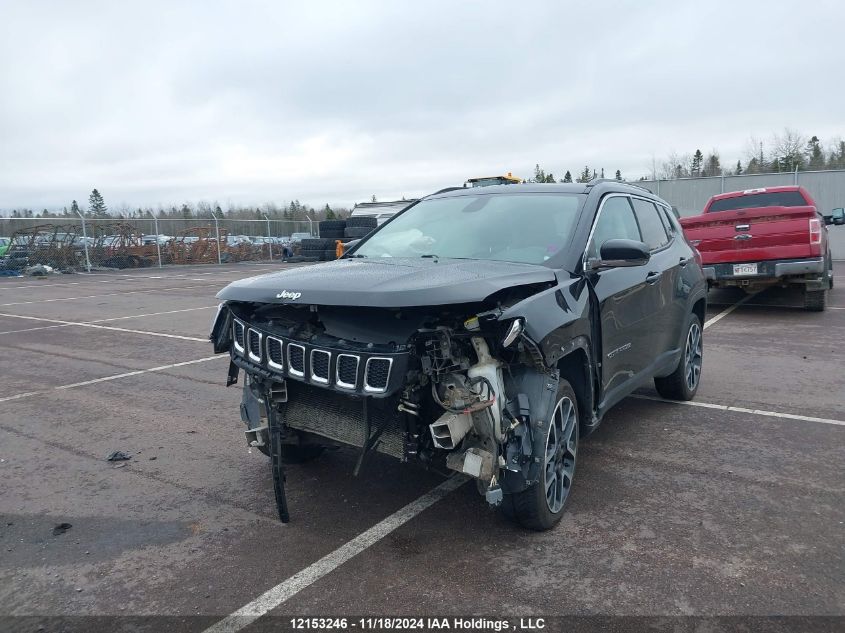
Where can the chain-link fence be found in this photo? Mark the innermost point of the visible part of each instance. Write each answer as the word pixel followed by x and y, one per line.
pixel 78 244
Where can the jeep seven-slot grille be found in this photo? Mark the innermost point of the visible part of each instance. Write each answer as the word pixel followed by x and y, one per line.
pixel 274 352
pixel 356 372
pixel 320 361
pixel 378 372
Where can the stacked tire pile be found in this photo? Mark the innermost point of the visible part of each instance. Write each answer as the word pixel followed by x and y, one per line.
pixel 324 248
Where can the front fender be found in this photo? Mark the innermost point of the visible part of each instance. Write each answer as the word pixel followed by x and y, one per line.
pixel 557 319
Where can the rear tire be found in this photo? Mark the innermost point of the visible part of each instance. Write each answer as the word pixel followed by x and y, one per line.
pixel 682 384
pixel 815 300
pixel 541 506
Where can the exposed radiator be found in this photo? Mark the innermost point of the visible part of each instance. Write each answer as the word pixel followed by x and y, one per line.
pixel 341 417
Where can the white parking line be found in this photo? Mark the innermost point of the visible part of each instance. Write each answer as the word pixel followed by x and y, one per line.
pixel 311 574
pixel 110 294
pixel 106 327
pixel 137 372
pixel 84 323
pixel 779 306
pixel 118 278
pixel 723 407
pixel 727 311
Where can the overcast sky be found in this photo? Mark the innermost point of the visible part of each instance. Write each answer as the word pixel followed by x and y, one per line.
pixel 252 102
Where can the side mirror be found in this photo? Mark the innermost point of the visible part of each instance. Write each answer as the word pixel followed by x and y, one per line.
pixel 619 253
pixel 837 217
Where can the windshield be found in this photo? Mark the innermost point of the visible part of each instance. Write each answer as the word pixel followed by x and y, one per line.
pixel 526 228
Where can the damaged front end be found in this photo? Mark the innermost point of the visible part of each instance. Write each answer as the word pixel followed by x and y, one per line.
pixel 460 387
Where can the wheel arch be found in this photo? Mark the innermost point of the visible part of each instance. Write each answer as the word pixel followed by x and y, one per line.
pixel 699 308
pixel 577 369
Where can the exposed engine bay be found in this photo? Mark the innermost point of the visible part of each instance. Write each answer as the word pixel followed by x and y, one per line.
pixel 453 388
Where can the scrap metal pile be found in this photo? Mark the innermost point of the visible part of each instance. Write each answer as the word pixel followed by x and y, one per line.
pixel 122 245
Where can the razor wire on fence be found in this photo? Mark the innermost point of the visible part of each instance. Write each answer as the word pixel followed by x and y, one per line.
pixel 70 244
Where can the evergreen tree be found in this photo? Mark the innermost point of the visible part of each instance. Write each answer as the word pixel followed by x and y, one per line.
pixel 602 173
pixel 712 165
pixel 815 155
pixel 585 175
pixel 96 205
pixel 753 166
pixel 738 170
pixel 74 208
pixel 330 215
pixel 618 175
pixel 695 166
pixel 539 174
pixel 550 177
pixel 567 177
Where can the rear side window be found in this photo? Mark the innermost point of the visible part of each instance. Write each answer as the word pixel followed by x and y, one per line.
pixel 764 199
pixel 651 226
pixel 616 221
pixel 667 222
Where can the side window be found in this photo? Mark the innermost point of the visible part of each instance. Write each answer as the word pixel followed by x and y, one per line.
pixel 651 226
pixel 616 220
pixel 667 221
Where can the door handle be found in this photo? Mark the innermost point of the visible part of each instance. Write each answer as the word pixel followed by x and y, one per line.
pixel 653 277
pixel 684 261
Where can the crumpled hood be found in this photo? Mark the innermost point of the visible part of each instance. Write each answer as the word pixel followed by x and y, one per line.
pixel 387 282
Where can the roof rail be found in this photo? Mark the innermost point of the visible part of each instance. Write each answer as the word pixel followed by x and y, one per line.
pixel 445 190
pixel 596 181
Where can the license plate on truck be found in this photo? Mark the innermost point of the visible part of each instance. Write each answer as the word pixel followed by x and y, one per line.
pixel 745 269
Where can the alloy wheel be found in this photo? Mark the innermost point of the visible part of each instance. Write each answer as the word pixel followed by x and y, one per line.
pixel 693 356
pixel 561 445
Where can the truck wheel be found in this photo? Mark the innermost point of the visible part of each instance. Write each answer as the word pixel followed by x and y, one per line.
pixel 541 506
pixel 815 300
pixel 682 383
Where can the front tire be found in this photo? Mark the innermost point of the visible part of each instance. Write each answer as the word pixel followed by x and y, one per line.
pixel 540 507
pixel 682 384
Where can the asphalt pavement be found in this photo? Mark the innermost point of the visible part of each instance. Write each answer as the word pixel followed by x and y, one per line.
pixel 731 506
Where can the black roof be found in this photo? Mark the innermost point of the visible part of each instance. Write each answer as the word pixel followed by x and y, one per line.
pixel 600 185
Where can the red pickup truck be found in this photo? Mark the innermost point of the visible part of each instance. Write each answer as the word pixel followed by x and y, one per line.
pixel 757 238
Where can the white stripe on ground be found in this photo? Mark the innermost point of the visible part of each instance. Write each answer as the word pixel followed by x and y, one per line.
pixel 83 323
pixel 723 407
pixel 727 311
pixel 110 294
pixel 137 372
pixel 107 327
pixel 780 306
pixel 314 572
pixel 118 278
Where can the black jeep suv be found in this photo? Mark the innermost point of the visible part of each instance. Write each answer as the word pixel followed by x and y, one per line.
pixel 483 329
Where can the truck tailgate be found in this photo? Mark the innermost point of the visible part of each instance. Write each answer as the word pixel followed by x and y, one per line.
pixel 756 234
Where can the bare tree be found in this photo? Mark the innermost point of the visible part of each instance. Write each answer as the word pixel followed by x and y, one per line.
pixel 755 158
pixel 788 150
pixel 675 166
